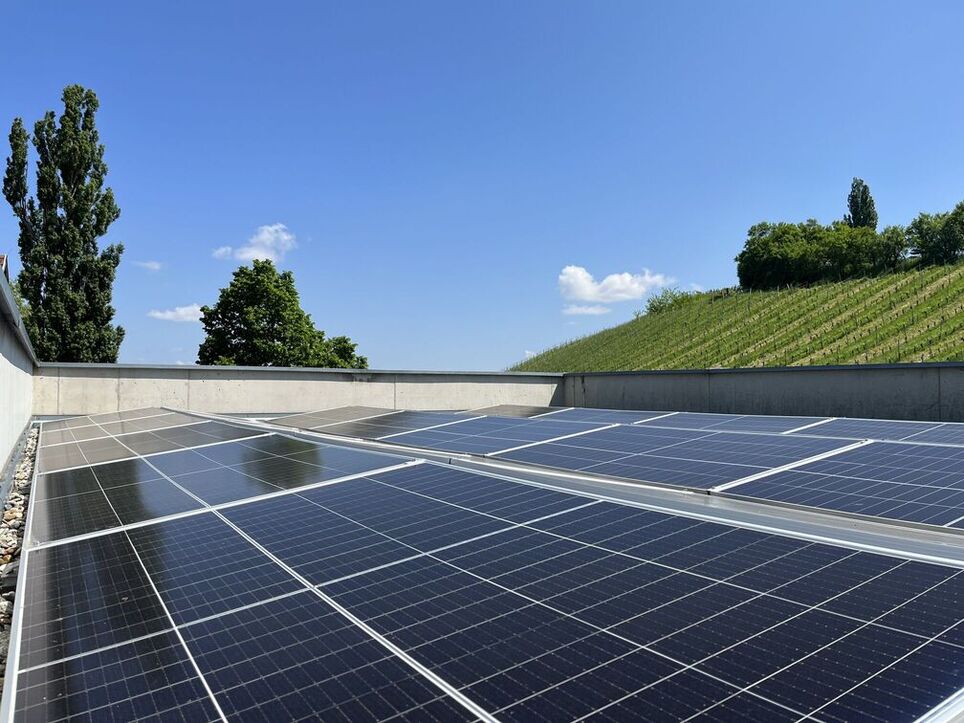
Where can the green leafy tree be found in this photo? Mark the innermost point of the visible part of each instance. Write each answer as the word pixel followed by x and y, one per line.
pixel 65 282
pixel 929 239
pixel 258 321
pixel 863 213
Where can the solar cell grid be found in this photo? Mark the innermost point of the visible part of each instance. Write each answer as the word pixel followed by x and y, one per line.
pixel 530 601
pixel 309 420
pixel 915 483
pixel 61 517
pixel 394 423
pixel 515 410
pixel 699 459
pixel 202 567
pixel 732 422
pixel 296 659
pixel 508 500
pixel 84 596
pixel 61 484
pixel 675 605
pixel 883 429
pixel 149 500
pixel 317 544
pixel 422 523
pixel 147 679
pixel 605 416
pixel 491 434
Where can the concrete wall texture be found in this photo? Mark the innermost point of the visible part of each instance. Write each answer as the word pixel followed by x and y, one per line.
pixel 899 391
pixel 904 391
pixel 92 388
pixel 16 374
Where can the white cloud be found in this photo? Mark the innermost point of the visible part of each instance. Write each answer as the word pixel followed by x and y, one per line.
pixel 591 310
pixel 577 284
pixel 150 265
pixel 697 288
pixel 529 354
pixel 270 242
pixel 189 313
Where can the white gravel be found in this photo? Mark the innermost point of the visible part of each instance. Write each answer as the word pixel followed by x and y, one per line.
pixel 11 536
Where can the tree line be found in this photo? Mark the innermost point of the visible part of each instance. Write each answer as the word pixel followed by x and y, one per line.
pixel 65 285
pixel 795 254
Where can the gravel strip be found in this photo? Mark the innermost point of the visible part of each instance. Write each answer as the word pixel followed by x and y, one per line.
pixel 11 540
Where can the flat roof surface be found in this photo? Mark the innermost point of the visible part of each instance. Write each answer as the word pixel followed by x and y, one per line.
pixel 373 564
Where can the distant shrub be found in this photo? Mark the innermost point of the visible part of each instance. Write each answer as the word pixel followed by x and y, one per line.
pixel 666 300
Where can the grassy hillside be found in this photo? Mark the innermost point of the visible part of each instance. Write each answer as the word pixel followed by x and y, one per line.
pixel 909 316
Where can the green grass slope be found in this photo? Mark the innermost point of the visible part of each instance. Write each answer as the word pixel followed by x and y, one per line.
pixel 909 316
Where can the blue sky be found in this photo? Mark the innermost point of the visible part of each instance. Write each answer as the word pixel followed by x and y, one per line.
pixel 428 170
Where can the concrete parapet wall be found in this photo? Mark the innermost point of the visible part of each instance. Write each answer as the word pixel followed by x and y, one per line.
pixel 900 391
pixel 16 374
pixel 886 391
pixel 92 388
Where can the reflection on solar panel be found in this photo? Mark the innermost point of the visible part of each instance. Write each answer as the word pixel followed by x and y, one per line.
pixel 367 587
pixel 125 446
pixel 733 422
pixel 913 482
pixel 491 434
pixel 885 429
pixel 606 416
pixel 394 423
pixel 680 457
pixel 515 410
pixel 75 502
pixel 312 420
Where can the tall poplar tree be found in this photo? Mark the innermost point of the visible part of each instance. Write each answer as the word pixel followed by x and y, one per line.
pixel 66 281
pixel 863 212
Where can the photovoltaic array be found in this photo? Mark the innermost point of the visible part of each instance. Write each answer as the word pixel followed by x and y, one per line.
pixel 255 576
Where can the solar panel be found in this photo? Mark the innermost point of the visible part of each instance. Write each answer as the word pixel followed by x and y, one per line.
pixel 395 423
pixel 515 410
pixel 202 567
pixel 680 457
pixel 883 429
pixel 443 593
pixel 733 422
pixel 911 482
pixel 297 659
pixel 605 416
pixel 949 433
pixel 491 434
pixel 310 420
pixel 151 678
pixel 84 596
pixel 125 446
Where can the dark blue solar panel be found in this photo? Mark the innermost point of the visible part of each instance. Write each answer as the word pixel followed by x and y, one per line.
pixel 149 500
pixel 202 567
pixel 501 498
pixel 297 659
pixel 395 423
pixel 732 422
pixel 491 434
pixel 884 429
pixel 510 656
pixel 83 596
pixel 677 457
pixel 413 520
pixel 79 514
pixel 916 483
pixel 316 543
pixel 151 679
pixel 605 416
pixel 949 433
